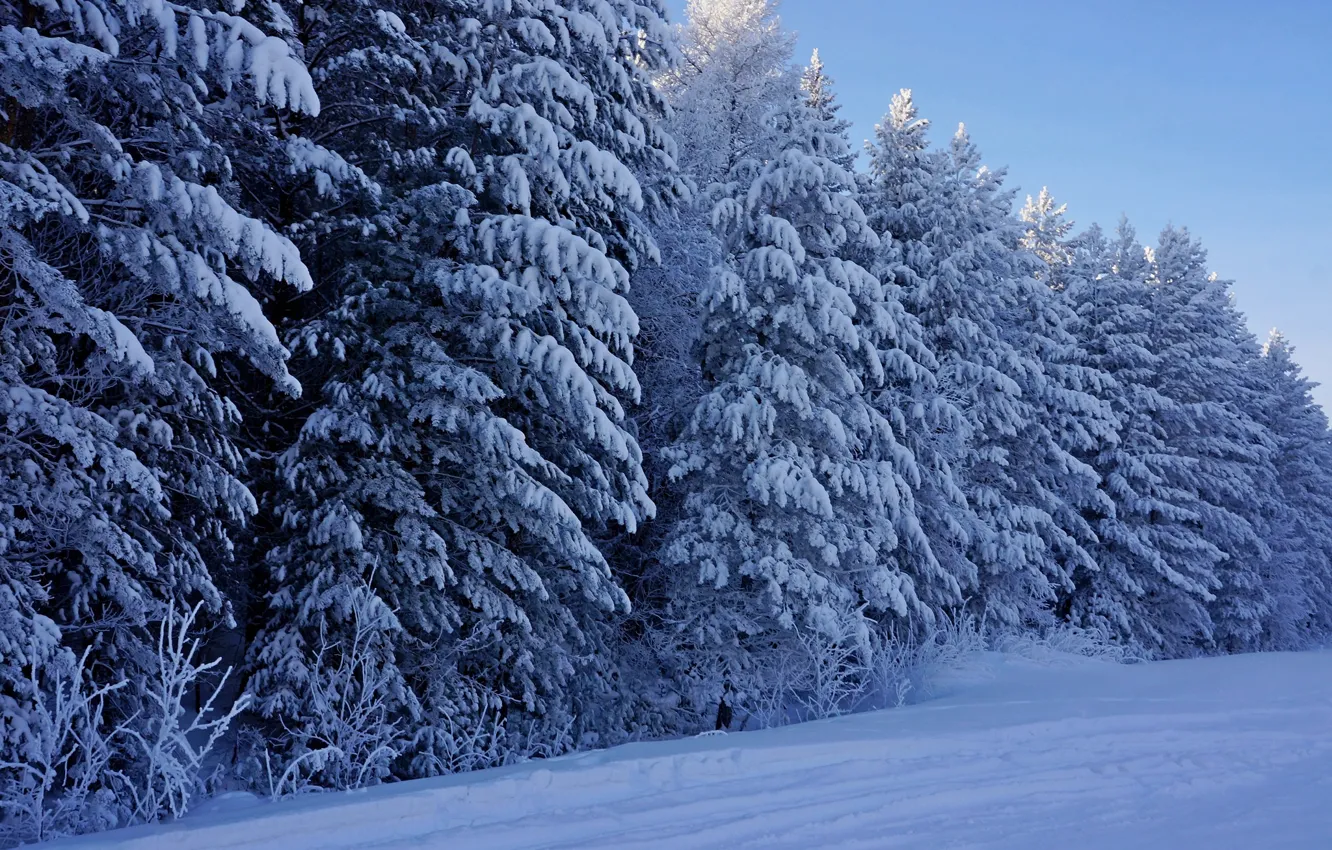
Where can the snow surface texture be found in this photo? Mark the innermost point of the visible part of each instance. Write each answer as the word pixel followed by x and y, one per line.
pixel 1232 752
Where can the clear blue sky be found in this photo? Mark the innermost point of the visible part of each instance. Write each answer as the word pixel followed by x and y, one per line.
pixel 1214 114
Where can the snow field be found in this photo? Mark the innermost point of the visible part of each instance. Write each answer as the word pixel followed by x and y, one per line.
pixel 1216 753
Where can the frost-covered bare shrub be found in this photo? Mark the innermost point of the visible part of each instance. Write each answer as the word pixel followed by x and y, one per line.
pixel 836 668
pixel 169 744
pixel 80 771
pixel 953 642
pixel 58 785
pixel 807 675
pixel 813 673
pixel 892 670
pixel 467 743
pixel 911 664
pixel 456 743
pixel 1060 642
pixel 354 737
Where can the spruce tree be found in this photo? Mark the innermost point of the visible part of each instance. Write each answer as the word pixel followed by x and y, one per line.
pixel 799 496
pixel 820 96
pixel 1155 570
pixel 896 197
pixel 735 65
pixel 461 467
pixel 1206 351
pixel 1005 358
pixel 735 59
pixel 1298 576
pixel 1047 236
pixel 128 281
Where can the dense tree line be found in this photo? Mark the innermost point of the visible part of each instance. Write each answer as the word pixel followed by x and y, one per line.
pixel 487 379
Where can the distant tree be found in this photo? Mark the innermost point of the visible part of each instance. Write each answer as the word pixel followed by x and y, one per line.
pixel 1298 576
pixel 1206 353
pixel 1154 568
pixel 1047 236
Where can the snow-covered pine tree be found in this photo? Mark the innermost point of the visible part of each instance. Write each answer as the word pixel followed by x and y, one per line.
pixel 798 495
pixel 736 55
pixel 1298 576
pixel 461 466
pixel 908 396
pixel 1047 235
pixel 1005 358
pixel 125 275
pixel 1154 567
pixel 1206 355
pixel 734 73
pixel 1071 401
pixel 292 177
pixel 735 58
pixel 926 416
pixel 820 97
pixel 735 65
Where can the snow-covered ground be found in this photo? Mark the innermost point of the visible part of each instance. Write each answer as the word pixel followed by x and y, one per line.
pixel 1218 753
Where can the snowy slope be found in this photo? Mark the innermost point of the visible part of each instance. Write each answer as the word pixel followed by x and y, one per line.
pixel 1229 752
